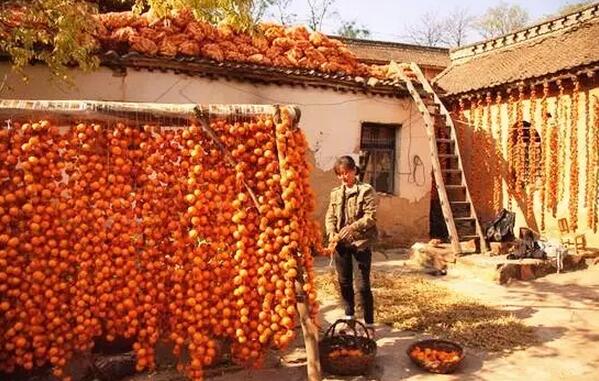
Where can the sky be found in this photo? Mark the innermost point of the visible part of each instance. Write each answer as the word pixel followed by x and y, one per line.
pixel 389 20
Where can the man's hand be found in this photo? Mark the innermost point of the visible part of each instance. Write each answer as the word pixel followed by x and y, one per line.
pixel 333 240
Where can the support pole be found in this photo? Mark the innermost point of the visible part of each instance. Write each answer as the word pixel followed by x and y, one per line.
pixel 309 330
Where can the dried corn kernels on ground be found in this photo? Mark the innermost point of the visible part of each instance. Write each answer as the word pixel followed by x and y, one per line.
pixel 147 233
pixel 450 316
pixel 270 45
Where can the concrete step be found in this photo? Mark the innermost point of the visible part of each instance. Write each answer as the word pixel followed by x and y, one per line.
pixel 500 270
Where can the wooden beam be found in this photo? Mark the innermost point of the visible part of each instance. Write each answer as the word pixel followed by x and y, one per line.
pixel 309 331
pixel 124 111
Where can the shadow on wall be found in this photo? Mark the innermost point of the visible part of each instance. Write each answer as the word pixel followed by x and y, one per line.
pixel 481 179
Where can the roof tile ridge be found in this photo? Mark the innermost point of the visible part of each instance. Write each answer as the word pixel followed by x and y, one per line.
pixel 542 29
pixel 395 44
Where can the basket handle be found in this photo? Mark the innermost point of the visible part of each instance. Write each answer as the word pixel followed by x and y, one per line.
pixel 330 332
pixel 364 328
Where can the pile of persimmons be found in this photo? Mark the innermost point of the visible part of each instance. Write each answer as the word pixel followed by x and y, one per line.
pixel 150 233
pixel 271 44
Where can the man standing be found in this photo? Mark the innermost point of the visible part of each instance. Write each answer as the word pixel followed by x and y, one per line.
pixel 351 227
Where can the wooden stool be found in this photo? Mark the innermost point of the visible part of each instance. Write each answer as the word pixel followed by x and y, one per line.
pixel 568 238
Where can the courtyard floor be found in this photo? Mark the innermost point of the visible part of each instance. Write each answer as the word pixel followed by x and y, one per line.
pixel 562 308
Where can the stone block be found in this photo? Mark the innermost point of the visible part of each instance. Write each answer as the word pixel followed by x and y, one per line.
pixel 469 247
pixel 574 262
pixel 527 272
pixel 506 272
pixel 500 248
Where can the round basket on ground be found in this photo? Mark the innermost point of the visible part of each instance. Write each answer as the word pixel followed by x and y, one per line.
pixel 436 356
pixel 349 352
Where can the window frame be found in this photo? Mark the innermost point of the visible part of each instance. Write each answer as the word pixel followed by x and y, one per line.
pixel 372 148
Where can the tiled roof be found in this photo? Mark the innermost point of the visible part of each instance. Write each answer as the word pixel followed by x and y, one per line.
pixel 256 73
pixel 559 45
pixel 382 52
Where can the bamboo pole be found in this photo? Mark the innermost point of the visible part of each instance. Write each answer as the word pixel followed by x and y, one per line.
pixel 67 111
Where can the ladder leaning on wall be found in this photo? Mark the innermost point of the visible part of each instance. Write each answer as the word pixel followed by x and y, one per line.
pixel 456 203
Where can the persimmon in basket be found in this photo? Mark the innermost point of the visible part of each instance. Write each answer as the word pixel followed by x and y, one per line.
pixel 346 352
pixel 434 358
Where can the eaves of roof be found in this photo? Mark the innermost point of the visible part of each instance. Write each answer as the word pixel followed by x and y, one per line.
pixel 256 73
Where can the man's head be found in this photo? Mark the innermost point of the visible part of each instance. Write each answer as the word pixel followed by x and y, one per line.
pixel 346 170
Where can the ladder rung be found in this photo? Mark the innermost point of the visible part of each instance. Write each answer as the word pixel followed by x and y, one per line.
pixel 468 237
pixel 443 140
pixel 451 170
pixel 447 155
pixel 463 219
pixel 460 202
pixel 454 186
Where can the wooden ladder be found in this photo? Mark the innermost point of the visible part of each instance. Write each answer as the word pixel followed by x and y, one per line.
pixel 456 203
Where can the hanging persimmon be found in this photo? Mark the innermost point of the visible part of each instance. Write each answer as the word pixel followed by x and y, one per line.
pixel 151 233
pixel 545 150
pixel 573 158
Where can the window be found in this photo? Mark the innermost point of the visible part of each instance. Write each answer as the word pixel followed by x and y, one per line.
pixel 378 155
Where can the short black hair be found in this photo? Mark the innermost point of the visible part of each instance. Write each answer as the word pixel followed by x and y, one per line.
pixel 346 162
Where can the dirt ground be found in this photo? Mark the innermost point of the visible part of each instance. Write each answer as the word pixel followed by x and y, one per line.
pixel 562 308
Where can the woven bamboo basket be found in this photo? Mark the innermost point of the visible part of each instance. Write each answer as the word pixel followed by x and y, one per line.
pixel 347 354
pixel 440 345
